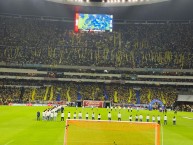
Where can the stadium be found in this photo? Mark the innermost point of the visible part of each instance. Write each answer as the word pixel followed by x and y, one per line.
pixel 96 72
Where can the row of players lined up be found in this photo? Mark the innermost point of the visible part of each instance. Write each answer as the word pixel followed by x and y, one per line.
pixel 52 114
pixel 109 116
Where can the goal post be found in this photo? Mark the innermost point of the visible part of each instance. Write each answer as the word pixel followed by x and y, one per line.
pixel 104 132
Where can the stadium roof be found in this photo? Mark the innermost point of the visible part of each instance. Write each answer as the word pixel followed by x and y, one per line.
pixel 107 3
pixel 167 10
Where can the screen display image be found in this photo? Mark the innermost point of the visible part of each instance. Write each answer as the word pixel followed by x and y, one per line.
pixel 93 22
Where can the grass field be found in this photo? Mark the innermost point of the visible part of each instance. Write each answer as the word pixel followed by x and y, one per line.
pixel 18 126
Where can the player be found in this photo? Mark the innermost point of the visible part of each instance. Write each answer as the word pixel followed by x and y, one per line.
pixel 128 109
pixel 51 115
pixel 80 115
pixel 62 109
pixel 165 111
pixel 165 120
pixel 119 116
pixel 62 116
pixel 38 116
pixel 137 109
pixel 109 116
pixel 136 118
pixel 87 116
pixel 130 118
pixel 107 108
pixel 99 116
pixel 111 108
pixel 48 115
pixel 55 115
pixel 74 115
pixel 43 115
pixel 147 118
pixel 140 118
pixel 153 118
pixel 158 119
pixel 174 120
pixel 131 109
pixel 68 115
pixel 93 116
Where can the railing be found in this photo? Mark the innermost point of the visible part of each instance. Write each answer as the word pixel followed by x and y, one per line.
pixel 98 80
pixel 65 67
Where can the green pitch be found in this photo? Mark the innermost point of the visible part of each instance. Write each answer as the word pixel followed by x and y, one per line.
pixel 18 126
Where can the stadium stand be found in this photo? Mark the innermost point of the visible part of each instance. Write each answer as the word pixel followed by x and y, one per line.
pixel 24 40
pixel 42 59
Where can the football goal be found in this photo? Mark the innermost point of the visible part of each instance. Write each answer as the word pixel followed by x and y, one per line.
pixel 103 132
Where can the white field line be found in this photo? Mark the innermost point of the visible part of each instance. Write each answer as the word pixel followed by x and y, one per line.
pixel 187 117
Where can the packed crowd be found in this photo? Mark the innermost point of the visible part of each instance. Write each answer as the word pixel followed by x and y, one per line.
pixel 134 45
pixel 71 92
pixel 34 41
pixel 185 107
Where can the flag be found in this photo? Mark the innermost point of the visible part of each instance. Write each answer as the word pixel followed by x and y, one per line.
pixel 58 92
pixel 68 95
pixel 163 100
pixel 79 97
pixel 46 93
pixel 115 97
pixel 138 97
pixel 58 97
pixel 106 97
pixel 51 93
pixel 130 95
pixel 22 89
pixel 33 94
pixel 149 95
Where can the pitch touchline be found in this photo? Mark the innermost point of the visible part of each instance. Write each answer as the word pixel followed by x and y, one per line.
pixel 187 117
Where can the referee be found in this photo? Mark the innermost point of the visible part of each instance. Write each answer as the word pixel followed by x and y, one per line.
pixel 109 116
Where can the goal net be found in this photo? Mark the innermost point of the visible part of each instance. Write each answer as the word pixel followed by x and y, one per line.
pixel 103 132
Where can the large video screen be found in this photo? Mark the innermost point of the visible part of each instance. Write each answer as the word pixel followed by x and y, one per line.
pixel 93 22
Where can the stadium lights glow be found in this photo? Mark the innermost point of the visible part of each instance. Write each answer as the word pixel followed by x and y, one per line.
pixel 128 2
pixel 119 1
